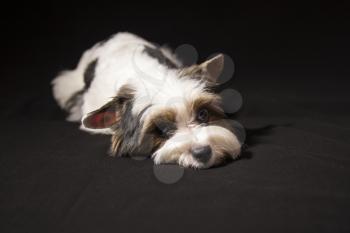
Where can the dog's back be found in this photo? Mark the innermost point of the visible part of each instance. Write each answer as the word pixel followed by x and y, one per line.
pixel 102 70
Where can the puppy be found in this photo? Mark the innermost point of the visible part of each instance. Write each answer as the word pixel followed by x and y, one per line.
pixel 149 102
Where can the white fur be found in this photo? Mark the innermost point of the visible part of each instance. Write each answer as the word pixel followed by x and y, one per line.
pixel 176 149
pixel 122 60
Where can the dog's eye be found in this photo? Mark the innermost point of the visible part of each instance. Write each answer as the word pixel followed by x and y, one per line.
pixel 164 129
pixel 203 115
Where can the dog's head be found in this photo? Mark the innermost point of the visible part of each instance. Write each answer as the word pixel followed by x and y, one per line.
pixel 182 123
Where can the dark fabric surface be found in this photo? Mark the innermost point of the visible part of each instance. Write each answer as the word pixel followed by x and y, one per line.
pixel 293 177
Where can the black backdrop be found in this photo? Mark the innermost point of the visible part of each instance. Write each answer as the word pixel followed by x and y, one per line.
pixel 292 69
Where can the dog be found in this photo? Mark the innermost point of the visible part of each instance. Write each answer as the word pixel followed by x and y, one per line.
pixel 150 103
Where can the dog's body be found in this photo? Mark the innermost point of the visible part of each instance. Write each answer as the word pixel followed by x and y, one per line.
pixel 149 102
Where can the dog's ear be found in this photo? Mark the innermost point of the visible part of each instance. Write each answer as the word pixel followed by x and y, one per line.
pixel 111 113
pixel 104 117
pixel 210 70
pixel 213 67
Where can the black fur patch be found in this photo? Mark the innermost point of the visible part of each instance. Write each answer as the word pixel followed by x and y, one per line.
pixel 127 131
pixel 161 58
pixel 89 73
pixel 130 128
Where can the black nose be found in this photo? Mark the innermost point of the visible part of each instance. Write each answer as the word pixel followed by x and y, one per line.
pixel 201 153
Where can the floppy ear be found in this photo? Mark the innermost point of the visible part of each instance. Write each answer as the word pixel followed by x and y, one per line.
pixel 111 113
pixel 104 117
pixel 213 67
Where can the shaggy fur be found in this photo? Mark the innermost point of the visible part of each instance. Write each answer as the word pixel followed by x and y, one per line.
pixel 150 104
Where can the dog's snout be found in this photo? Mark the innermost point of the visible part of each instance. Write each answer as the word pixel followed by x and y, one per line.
pixel 201 153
